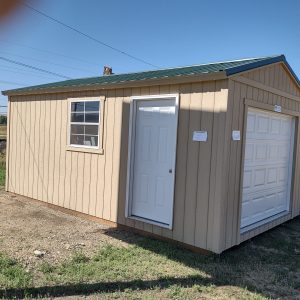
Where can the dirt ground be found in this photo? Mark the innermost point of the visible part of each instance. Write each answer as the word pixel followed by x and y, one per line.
pixel 121 265
pixel 28 226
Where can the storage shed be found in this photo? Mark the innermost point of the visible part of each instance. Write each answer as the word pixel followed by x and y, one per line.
pixel 205 155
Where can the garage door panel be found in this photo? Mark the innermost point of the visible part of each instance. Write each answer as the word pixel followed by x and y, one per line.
pixel 267 165
pixel 259 177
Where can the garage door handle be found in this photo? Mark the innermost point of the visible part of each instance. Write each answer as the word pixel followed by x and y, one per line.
pixel 170 171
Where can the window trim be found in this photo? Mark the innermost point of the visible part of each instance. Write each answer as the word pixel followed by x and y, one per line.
pixel 84 148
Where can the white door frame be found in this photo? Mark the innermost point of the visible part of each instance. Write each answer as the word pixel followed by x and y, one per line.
pixel 131 143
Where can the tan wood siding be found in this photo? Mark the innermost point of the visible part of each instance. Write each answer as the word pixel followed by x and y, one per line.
pixel 202 107
pixel 95 184
pixel 274 76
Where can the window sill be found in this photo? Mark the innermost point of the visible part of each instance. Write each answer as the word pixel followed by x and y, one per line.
pixel 85 150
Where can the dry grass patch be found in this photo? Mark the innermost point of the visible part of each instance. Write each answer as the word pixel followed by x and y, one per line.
pixel 84 259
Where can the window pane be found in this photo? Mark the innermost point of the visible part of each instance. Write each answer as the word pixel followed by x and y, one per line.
pixel 91 141
pixel 77 129
pixel 77 117
pixel 91 129
pixel 92 118
pixel 77 139
pixel 77 106
pixel 92 106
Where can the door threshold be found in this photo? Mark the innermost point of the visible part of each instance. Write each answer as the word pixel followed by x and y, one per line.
pixel 149 221
pixel 263 222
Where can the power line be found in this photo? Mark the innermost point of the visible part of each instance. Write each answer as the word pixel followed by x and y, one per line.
pixel 54 53
pixel 32 67
pixel 89 36
pixel 46 62
pixel 13 83
pixel 24 72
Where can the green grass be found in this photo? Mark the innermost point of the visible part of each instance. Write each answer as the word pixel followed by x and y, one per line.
pixel 2 169
pixel 12 274
pixel 3 131
pixel 265 268
pixel 2 176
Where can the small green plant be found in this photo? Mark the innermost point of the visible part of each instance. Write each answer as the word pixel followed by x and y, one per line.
pixel 46 268
pixel 80 258
pixel 12 274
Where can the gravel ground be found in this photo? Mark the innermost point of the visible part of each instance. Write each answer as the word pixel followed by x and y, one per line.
pixel 26 227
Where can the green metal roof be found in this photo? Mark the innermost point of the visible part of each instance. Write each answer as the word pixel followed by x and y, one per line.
pixel 230 67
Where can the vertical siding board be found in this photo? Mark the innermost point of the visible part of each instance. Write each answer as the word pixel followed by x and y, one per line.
pixel 18 146
pixel 93 184
pixel 190 202
pixel 80 198
pixel 86 196
pixel 63 115
pixel 227 167
pixel 57 167
pixel 46 149
pixel 36 148
pixel 232 167
pixel 30 141
pixel 204 165
pixel 123 160
pixel 13 124
pixel 216 217
pixel 25 162
pixel 8 148
pixel 51 144
pixel 238 183
pixel 10 183
pixel 67 180
pixel 181 161
pixel 110 103
pixel 73 180
pixel 116 153
pixel 41 183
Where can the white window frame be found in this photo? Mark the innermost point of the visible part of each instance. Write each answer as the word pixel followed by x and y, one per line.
pixel 86 148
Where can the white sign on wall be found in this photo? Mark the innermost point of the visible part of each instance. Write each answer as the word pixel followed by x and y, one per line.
pixel 200 136
pixel 236 135
pixel 277 108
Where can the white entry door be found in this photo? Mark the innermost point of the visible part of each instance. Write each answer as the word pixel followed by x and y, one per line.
pixel 153 160
pixel 267 165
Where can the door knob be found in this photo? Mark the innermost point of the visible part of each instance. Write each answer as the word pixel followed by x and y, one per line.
pixel 170 171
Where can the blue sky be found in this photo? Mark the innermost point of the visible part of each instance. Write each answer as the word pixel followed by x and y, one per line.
pixel 166 33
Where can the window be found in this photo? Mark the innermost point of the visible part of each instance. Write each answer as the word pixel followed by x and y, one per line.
pixel 84 124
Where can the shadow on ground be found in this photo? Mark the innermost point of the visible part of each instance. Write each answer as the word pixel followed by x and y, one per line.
pixel 268 265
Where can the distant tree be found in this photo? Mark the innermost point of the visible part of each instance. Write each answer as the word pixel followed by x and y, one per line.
pixel 3 120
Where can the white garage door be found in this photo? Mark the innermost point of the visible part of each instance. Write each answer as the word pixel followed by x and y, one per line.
pixel 267 165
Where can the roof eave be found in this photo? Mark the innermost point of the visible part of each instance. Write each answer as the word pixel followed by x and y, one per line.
pixel 137 83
